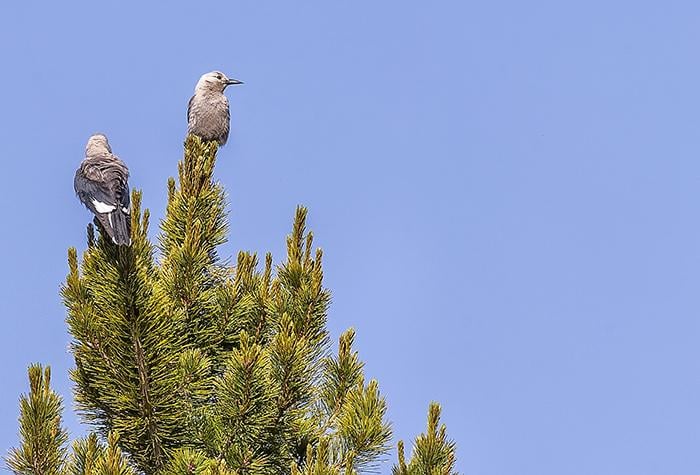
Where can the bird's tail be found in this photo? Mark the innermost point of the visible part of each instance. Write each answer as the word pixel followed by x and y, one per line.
pixel 122 227
pixel 117 225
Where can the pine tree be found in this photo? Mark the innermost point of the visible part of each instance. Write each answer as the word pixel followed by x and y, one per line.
pixel 187 365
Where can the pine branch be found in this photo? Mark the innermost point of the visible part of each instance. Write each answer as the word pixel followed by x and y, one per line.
pixel 433 452
pixel 363 432
pixel 194 226
pixel 298 289
pixel 126 347
pixel 111 460
pixel 42 448
pixel 341 374
pixel 90 457
pixel 85 457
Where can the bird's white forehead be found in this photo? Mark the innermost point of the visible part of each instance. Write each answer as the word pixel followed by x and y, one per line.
pixel 213 77
pixel 213 74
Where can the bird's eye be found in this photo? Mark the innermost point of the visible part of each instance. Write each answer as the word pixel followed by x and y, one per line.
pixel 218 76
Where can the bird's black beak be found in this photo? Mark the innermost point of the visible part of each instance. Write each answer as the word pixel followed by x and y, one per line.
pixel 233 82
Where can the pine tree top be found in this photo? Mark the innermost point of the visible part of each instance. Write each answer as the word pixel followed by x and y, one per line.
pixel 184 364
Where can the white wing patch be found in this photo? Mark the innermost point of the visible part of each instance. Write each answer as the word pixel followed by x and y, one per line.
pixel 101 207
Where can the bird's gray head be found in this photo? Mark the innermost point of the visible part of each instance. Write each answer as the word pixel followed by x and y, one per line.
pixel 214 81
pixel 97 144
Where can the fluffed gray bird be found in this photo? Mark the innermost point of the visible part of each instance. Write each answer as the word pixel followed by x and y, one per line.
pixel 102 185
pixel 208 114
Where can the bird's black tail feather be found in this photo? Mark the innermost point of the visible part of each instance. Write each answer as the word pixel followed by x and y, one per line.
pixel 122 227
pixel 117 225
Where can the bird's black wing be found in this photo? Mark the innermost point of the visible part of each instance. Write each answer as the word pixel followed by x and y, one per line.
pixel 189 108
pixel 227 125
pixel 94 194
pixel 124 199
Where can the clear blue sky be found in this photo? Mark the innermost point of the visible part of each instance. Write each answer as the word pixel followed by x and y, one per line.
pixel 507 194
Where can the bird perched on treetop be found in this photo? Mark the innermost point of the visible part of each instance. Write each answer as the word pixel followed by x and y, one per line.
pixel 101 183
pixel 207 112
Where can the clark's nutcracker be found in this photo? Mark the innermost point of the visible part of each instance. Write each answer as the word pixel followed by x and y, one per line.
pixel 207 112
pixel 101 183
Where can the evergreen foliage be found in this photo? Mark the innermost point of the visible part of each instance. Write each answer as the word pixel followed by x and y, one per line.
pixel 433 452
pixel 90 457
pixel 187 365
pixel 42 439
